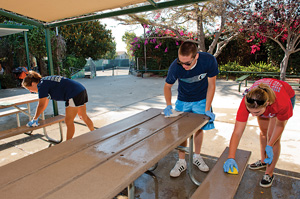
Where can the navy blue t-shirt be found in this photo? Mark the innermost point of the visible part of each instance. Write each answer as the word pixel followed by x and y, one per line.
pixel 59 88
pixel 193 83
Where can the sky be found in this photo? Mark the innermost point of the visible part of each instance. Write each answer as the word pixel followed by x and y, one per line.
pixel 118 30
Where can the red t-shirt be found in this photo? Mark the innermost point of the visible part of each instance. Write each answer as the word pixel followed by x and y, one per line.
pixel 281 108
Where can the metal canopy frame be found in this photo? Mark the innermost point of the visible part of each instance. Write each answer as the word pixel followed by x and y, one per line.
pixel 8 29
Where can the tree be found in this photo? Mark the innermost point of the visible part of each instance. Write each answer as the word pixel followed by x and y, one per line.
pixel 128 38
pixel 89 39
pixel 202 15
pixel 112 54
pixel 37 47
pixel 278 20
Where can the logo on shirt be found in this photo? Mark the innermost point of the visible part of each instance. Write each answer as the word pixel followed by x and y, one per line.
pixel 194 79
pixel 269 116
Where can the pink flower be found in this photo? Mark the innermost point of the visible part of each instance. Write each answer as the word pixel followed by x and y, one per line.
pixel 177 43
pixel 254 48
pixel 166 50
pixel 157 16
pixel 156 46
pixel 146 42
pixel 139 45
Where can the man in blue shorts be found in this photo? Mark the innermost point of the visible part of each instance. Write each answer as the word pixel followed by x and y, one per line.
pixel 196 74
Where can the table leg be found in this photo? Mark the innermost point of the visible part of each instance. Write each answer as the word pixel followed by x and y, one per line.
pixel 18 119
pixel 23 111
pixel 29 112
pixel 131 191
pixel 190 165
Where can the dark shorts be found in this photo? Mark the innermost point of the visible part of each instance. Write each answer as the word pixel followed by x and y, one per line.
pixel 78 100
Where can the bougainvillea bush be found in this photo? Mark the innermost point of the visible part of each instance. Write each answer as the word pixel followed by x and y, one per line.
pixel 161 47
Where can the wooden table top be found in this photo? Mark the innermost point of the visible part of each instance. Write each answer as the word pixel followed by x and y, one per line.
pixel 18 100
pixel 101 163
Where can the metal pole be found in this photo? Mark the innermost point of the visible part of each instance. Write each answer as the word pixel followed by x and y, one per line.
pixel 27 50
pixel 145 52
pixel 50 64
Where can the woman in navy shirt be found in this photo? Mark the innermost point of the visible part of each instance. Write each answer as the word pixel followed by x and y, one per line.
pixel 60 89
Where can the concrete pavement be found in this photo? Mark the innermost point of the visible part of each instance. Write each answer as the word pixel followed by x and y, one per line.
pixel 112 98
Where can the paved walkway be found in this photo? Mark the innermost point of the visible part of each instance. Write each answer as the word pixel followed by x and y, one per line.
pixel 112 98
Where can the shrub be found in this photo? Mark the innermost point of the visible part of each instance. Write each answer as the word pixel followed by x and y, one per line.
pixel 8 81
pixel 253 67
pixel 71 64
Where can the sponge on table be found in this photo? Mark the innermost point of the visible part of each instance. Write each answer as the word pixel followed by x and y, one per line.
pixel 235 171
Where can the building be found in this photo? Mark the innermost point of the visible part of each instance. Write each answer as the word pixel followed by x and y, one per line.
pixel 122 55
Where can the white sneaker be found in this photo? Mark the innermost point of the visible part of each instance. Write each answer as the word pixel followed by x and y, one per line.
pixel 199 162
pixel 179 167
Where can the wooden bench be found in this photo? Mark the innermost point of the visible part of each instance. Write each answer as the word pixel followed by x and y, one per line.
pixel 219 184
pixel 241 79
pixel 12 112
pixel 42 124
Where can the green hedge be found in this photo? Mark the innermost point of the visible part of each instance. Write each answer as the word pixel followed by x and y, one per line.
pixel 254 67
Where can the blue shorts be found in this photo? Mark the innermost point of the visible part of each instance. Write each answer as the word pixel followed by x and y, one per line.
pixel 293 100
pixel 194 107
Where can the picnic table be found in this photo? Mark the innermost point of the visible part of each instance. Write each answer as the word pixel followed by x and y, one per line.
pixel 101 163
pixel 16 102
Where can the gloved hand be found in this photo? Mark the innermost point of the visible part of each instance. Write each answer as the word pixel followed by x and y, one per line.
pixel 269 151
pixel 211 115
pixel 168 110
pixel 33 123
pixel 229 165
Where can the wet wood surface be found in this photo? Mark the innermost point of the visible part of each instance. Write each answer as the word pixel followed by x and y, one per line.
pixel 99 164
pixel 221 185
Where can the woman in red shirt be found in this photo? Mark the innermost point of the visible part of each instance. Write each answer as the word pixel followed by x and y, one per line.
pixel 272 102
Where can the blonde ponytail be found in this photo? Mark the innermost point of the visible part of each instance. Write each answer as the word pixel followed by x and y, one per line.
pixel 260 96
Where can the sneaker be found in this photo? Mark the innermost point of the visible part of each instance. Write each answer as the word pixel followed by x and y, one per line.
pixel 257 165
pixel 179 167
pixel 199 162
pixel 266 181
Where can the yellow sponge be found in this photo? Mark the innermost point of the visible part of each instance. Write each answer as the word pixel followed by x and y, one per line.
pixel 235 171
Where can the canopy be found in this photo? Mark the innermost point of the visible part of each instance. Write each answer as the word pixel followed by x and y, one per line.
pixel 61 12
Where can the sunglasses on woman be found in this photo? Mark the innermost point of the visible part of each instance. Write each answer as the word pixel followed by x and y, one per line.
pixel 251 101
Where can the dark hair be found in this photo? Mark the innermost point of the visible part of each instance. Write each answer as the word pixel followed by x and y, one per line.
pixel 188 48
pixel 259 96
pixel 32 76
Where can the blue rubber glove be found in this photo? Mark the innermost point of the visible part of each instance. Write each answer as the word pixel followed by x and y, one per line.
pixel 269 152
pixel 33 123
pixel 229 165
pixel 168 110
pixel 211 115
